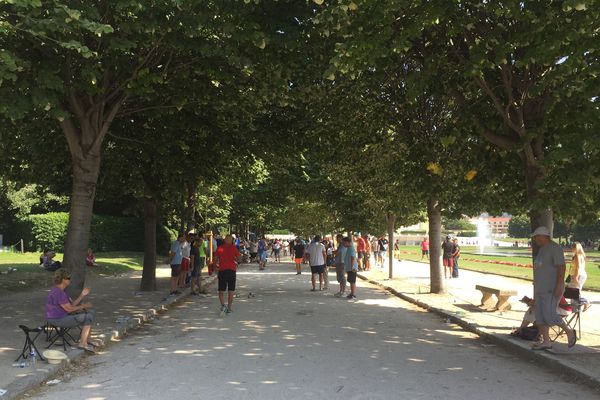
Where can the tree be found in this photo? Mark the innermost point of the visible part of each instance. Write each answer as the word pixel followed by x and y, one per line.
pixel 87 64
pixel 519 227
pixel 515 69
pixel 458 224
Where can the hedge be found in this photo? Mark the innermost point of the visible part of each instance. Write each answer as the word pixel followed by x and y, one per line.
pixel 108 233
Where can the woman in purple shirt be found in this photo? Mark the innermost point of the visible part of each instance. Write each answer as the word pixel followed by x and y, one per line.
pixel 63 312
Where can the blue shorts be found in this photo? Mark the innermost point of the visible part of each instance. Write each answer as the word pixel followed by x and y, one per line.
pixel 262 256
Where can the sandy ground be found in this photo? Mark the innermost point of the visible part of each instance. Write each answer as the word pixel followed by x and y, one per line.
pixel 284 342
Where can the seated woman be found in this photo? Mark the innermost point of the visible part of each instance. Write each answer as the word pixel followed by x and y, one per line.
pixel 90 259
pixel 63 312
pixel 47 260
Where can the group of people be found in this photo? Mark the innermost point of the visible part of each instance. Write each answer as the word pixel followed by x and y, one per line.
pixel 49 264
pixel 187 258
pixel 450 256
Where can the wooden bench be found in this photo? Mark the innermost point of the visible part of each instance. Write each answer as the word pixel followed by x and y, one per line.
pixel 487 302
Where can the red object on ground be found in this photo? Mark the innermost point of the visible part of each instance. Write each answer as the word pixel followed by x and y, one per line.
pixel 211 268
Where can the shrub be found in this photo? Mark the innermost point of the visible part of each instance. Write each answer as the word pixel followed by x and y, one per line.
pixel 108 233
pixel 467 234
pixel 45 230
pixel 413 233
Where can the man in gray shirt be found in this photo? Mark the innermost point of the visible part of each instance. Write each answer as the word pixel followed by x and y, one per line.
pixel 548 287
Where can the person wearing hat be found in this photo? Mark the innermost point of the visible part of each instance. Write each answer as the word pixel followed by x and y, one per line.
pixel 548 287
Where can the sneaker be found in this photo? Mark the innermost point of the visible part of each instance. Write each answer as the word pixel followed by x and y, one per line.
pixel 223 310
pixel 338 294
pixel 228 311
pixel 351 296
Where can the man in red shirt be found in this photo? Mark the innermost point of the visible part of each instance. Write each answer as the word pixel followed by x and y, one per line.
pixel 227 260
pixel 425 248
pixel 360 248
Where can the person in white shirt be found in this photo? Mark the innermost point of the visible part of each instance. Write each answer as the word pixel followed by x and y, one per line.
pixel 317 258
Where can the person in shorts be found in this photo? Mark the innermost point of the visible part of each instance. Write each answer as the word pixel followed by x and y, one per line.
pixel 227 257
pixel 298 252
pixel 447 258
pixel 317 257
pixel 367 253
pixel 338 262
pixel 425 248
pixel 175 257
pixel 360 249
pixel 350 266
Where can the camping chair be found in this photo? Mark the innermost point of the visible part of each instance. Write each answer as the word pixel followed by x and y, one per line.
pixel 574 309
pixel 29 345
pixel 54 333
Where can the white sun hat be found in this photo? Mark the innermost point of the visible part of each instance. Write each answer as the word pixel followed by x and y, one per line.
pixel 541 231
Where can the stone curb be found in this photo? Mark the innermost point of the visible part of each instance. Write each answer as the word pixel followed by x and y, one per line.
pixel 48 372
pixel 549 360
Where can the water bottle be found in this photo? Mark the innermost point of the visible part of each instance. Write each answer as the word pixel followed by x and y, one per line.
pixel 33 358
pixel 22 364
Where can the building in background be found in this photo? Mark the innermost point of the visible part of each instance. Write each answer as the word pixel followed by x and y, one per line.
pixel 497 226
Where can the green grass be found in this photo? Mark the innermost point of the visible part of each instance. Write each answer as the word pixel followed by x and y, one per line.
pixel 592 267
pixel 30 276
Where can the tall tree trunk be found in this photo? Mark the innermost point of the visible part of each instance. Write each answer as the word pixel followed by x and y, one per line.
pixel 391 226
pixel 148 282
pixel 85 145
pixel 435 246
pixel 537 217
pixel 85 177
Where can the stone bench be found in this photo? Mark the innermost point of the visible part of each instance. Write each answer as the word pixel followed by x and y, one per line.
pixel 487 302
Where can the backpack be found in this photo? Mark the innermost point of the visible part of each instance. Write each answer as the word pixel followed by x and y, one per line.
pixel 527 333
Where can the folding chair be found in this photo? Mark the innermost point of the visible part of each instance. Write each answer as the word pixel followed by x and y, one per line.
pixel 54 333
pixel 30 342
pixel 573 319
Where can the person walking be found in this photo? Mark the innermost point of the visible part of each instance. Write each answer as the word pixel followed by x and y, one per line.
pixel 548 287
pixel 447 251
pixel 350 266
pixel 455 257
pixel 316 257
pixel 227 260
pixel 338 262
pixel 262 253
pixel 425 248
